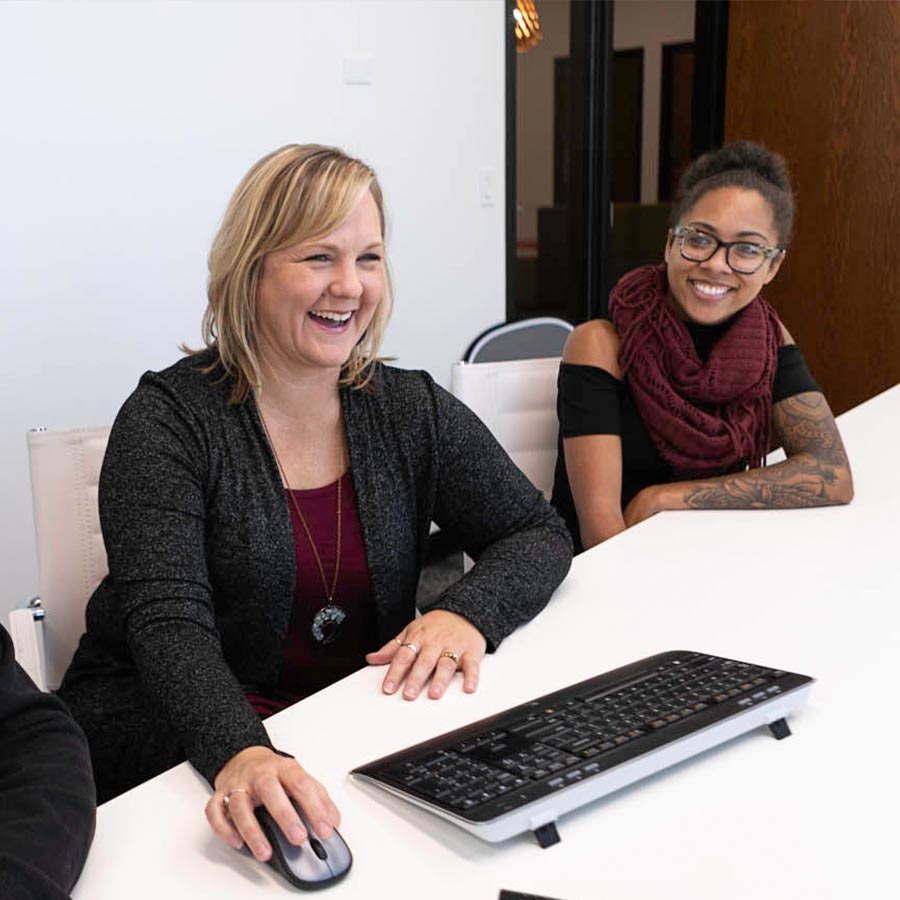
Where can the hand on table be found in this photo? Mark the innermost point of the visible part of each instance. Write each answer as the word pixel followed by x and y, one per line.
pixel 257 776
pixel 433 646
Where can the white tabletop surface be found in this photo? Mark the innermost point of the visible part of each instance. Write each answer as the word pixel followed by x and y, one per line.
pixel 814 591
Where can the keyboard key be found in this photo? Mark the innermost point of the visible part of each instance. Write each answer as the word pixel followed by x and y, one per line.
pixel 526 725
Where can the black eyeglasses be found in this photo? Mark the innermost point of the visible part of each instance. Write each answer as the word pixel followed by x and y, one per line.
pixel 743 257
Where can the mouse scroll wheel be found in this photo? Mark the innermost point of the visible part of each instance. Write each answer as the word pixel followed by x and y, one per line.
pixel 317 848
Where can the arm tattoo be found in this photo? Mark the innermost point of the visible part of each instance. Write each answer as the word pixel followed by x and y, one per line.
pixel 805 425
pixel 807 477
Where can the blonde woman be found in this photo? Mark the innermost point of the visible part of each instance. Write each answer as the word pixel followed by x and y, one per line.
pixel 265 504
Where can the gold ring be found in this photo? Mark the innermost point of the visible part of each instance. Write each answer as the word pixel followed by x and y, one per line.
pixel 226 800
pixel 450 655
pixel 412 647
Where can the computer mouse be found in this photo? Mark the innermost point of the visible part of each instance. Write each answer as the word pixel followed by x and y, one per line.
pixel 316 863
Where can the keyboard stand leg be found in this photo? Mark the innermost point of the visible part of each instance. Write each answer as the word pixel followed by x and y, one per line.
pixel 547 835
pixel 780 729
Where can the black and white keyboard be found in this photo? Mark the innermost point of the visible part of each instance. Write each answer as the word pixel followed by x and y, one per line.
pixel 521 769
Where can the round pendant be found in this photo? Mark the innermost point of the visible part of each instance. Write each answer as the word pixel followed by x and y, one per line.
pixel 327 623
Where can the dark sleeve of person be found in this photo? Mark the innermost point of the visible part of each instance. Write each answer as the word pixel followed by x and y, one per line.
pixel 589 401
pixel 792 376
pixel 521 546
pixel 47 798
pixel 153 515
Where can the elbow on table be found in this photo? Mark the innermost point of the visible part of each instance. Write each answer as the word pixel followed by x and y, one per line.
pixel 842 491
pixel 593 533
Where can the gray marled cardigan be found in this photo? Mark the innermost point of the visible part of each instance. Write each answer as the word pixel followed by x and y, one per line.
pixel 201 555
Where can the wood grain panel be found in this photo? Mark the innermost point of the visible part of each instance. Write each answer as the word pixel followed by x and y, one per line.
pixel 819 82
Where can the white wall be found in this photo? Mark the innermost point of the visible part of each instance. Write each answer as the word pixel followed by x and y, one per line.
pixel 124 127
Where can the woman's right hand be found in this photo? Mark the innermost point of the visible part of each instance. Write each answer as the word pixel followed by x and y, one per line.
pixel 257 776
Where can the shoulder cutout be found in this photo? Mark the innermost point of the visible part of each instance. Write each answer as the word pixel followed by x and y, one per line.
pixel 595 343
pixel 785 336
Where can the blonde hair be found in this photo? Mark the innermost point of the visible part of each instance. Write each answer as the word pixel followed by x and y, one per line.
pixel 297 194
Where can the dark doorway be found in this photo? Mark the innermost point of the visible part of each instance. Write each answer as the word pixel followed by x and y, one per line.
pixel 675 116
pixel 626 125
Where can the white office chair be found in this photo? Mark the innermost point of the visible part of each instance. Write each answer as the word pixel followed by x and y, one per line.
pixel 65 470
pixel 516 399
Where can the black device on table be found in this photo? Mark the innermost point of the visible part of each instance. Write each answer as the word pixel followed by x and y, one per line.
pixel 521 769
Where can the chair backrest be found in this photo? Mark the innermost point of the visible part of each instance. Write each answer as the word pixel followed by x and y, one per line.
pixel 541 337
pixel 65 471
pixel 517 401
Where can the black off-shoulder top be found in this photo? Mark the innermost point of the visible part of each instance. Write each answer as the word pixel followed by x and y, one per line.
pixel 591 401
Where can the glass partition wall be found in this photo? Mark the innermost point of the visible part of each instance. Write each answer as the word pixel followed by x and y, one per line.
pixel 600 123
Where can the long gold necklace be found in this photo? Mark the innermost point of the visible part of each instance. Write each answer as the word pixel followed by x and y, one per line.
pixel 327 621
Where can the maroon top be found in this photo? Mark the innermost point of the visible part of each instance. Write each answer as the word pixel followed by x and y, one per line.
pixel 310 665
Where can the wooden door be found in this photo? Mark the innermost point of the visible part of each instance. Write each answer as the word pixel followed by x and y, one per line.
pixel 819 82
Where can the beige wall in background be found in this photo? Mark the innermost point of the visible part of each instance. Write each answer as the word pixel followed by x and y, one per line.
pixel 650 24
pixel 636 23
pixel 534 117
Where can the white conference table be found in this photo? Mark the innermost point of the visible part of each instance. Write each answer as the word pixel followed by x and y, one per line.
pixel 814 591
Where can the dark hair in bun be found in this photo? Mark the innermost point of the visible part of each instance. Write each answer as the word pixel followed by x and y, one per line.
pixel 744 165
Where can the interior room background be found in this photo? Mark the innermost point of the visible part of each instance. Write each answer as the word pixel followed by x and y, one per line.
pixel 124 127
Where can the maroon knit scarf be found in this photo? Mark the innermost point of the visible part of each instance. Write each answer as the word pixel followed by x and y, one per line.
pixel 704 418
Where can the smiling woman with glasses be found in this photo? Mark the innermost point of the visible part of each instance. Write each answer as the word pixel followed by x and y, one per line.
pixel 674 403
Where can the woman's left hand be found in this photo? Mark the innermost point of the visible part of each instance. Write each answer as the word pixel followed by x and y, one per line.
pixel 434 646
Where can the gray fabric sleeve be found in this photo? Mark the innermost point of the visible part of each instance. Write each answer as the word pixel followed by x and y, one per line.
pixel 152 513
pixel 521 546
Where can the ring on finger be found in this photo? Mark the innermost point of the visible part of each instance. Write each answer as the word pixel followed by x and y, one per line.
pixel 398 641
pixel 412 647
pixel 226 800
pixel 449 654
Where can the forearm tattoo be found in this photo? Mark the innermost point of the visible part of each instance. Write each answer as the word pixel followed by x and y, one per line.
pixel 809 477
